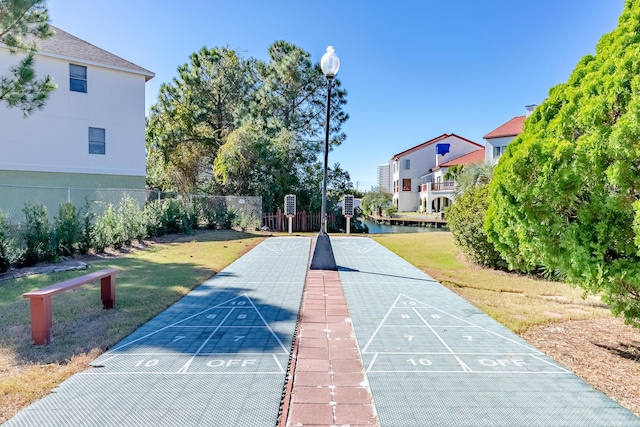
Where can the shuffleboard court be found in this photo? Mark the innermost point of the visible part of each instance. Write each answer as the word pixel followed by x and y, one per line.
pixel 431 358
pixel 218 357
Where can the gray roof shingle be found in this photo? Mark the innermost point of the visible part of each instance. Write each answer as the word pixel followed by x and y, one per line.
pixel 69 46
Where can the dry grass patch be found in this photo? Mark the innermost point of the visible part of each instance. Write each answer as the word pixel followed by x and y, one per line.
pixel 518 302
pixel 151 280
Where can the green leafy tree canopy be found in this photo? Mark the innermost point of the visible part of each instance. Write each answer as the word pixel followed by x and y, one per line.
pixel 565 195
pixel 232 125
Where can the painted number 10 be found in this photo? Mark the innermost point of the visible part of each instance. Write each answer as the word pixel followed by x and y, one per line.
pixel 423 362
pixel 148 363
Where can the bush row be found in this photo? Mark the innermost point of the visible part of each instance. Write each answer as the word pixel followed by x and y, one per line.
pixel 79 230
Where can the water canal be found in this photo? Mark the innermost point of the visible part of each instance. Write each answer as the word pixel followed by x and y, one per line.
pixel 384 228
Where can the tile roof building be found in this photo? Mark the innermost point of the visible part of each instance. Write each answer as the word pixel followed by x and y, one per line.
pixel 497 140
pixel 410 167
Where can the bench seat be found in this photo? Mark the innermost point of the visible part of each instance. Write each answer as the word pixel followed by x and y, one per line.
pixel 41 312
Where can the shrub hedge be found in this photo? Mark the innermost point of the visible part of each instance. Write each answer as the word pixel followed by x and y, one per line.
pixel 465 219
pixel 80 230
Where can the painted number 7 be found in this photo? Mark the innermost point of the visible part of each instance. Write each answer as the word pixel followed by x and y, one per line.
pixel 409 337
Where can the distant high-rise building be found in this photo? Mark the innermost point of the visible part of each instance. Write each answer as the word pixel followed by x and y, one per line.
pixel 384 177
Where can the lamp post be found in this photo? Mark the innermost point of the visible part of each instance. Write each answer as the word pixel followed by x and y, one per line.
pixel 323 254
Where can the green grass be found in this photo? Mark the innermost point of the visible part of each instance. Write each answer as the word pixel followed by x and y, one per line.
pixel 150 281
pixel 518 302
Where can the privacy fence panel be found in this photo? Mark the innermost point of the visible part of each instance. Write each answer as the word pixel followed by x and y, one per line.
pixel 303 221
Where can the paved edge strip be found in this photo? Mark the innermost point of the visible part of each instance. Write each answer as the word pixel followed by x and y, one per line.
pixel 285 406
pixel 329 384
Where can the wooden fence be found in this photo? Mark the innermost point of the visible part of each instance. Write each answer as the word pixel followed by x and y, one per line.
pixel 303 221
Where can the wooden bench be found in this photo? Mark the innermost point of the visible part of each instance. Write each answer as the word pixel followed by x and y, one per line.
pixel 41 313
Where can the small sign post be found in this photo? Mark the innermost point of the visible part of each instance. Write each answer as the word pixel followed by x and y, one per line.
pixel 290 209
pixel 347 210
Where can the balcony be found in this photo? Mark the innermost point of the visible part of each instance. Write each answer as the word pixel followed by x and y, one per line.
pixel 438 186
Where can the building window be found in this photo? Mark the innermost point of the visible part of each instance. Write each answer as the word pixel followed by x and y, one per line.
pixel 406 184
pixel 77 78
pixel 97 141
pixel 395 186
pixel 498 151
pixel 407 164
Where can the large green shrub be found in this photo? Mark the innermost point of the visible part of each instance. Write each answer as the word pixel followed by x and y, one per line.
pixel 155 218
pixel 565 194
pixel 132 221
pixel 87 216
pixel 68 229
pixel 180 215
pixel 107 231
pixel 465 219
pixel 7 243
pixel 37 235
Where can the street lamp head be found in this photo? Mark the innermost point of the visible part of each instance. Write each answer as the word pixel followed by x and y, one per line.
pixel 330 63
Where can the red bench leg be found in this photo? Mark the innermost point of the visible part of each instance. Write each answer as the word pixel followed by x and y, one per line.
pixel 108 291
pixel 41 320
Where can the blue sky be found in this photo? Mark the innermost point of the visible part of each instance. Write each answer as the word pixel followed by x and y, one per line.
pixel 413 69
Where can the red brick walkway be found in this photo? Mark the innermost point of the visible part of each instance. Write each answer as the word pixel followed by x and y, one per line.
pixel 329 383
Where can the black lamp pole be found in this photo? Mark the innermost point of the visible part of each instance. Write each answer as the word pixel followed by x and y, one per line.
pixel 323 215
pixel 323 253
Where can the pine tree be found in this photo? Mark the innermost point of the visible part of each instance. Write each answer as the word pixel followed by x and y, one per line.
pixel 21 23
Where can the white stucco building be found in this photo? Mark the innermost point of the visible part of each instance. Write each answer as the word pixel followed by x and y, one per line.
pixel 437 192
pixel 91 132
pixel 407 167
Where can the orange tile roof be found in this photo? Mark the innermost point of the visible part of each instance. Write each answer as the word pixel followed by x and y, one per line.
pixel 430 142
pixel 468 159
pixel 512 128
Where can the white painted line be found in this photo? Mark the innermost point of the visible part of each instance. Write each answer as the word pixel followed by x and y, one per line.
pixel 97 362
pixel 364 350
pixel 97 372
pixel 484 329
pixel 269 327
pixel 462 364
pixel 226 327
pixel 422 326
pixel 278 363
pixel 173 324
pixel 460 354
pixel 471 372
pixel 189 355
pixel 186 365
pixel 552 364
pixel 375 356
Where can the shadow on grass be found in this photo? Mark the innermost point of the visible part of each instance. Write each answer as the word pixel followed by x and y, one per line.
pixel 144 290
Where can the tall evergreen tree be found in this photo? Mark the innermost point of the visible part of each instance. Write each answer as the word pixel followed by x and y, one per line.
pixel 566 194
pixel 196 113
pixel 22 22
pixel 292 98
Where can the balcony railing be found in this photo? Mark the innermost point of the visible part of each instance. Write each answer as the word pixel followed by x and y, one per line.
pixel 438 186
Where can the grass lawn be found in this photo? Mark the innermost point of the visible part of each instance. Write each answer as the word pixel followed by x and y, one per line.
pixel 516 301
pixel 151 280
